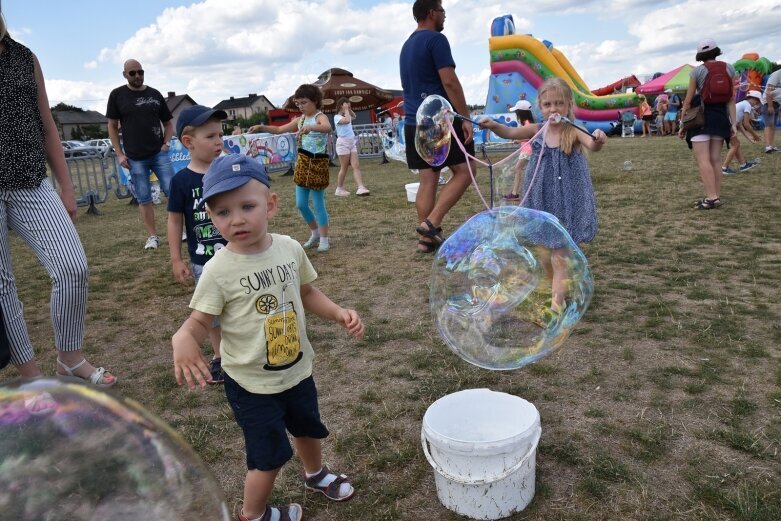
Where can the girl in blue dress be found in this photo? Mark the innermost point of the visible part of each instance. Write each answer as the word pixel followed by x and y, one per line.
pixel 562 186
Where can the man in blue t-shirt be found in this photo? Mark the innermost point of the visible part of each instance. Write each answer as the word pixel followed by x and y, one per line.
pixel 427 68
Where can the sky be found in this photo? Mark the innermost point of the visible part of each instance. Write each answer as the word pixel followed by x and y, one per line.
pixel 214 49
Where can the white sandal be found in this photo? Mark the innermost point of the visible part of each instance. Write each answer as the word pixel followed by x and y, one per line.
pixel 96 378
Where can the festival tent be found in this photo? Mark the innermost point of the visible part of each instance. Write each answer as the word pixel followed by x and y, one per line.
pixel 676 80
pixel 617 86
pixel 336 83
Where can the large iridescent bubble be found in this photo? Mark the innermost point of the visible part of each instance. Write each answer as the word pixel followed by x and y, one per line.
pixel 493 286
pixel 432 135
pixel 68 451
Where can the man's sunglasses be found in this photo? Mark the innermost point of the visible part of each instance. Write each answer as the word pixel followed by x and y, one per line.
pixel 132 74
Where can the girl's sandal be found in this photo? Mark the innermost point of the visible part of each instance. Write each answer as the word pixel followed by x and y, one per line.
pixel 291 512
pixel 331 491
pixel 708 204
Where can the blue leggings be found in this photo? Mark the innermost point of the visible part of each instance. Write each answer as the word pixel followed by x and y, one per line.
pixel 318 201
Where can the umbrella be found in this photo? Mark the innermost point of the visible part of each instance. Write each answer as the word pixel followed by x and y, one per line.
pixel 676 80
pixel 336 83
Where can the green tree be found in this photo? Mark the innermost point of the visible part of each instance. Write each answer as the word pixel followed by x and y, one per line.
pixel 258 118
pixel 93 131
pixel 76 133
pixel 67 108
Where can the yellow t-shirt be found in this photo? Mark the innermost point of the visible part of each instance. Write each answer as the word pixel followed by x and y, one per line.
pixel 258 299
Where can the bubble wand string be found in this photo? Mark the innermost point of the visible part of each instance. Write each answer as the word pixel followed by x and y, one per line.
pixel 542 131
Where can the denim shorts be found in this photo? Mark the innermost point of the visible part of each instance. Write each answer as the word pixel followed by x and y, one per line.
pixel 141 170
pixel 264 418
pixel 771 120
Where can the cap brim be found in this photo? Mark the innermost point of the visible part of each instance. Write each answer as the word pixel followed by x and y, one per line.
pixel 226 185
pixel 202 118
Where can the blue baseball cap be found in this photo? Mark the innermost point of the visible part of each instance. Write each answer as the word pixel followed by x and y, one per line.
pixel 196 116
pixel 232 171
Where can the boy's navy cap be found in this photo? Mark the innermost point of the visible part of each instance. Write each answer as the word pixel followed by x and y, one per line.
pixel 196 116
pixel 232 171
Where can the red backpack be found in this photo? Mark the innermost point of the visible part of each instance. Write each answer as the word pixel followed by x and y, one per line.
pixel 718 84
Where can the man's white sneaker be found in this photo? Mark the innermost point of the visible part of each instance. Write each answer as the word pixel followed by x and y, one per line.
pixel 341 192
pixel 152 243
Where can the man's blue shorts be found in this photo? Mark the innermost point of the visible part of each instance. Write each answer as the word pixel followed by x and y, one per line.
pixel 264 418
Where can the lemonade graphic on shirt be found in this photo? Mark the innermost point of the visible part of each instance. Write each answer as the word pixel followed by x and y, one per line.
pixel 283 345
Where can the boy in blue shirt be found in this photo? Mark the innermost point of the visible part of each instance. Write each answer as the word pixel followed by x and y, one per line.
pixel 200 131
pixel 259 285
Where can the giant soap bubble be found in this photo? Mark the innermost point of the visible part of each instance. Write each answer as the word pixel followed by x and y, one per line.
pixel 72 452
pixel 508 287
pixel 432 134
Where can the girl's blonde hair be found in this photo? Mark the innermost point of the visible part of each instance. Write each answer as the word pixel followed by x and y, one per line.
pixel 569 138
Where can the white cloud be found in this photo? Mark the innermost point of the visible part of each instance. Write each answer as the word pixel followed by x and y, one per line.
pixel 270 47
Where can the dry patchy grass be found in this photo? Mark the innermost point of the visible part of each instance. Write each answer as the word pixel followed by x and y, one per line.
pixel 664 404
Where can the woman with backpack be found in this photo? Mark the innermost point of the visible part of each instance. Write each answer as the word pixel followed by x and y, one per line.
pixel 711 90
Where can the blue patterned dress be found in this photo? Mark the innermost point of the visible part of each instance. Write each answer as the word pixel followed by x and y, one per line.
pixel 562 188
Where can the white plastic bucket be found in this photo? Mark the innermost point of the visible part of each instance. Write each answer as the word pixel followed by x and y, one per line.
pixel 412 191
pixel 482 445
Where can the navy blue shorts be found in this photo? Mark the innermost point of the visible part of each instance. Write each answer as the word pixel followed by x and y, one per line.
pixel 264 418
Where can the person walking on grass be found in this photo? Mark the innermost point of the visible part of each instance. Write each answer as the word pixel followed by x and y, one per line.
pixel 312 128
pixel 146 131
pixel 200 131
pixel 427 67
pixel 45 221
pixel 719 110
pixel 347 149
pixel 260 285
pixel 771 106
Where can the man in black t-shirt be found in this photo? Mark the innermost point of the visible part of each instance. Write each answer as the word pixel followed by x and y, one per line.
pixel 147 128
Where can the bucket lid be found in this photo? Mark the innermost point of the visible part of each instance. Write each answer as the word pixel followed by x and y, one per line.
pixel 480 420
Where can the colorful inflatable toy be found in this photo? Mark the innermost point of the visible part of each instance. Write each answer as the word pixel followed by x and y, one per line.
pixel 519 65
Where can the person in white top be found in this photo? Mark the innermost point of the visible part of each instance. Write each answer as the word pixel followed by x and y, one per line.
pixel 347 149
pixel 771 103
pixel 743 113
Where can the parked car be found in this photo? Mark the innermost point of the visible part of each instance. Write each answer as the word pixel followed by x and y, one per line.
pixel 75 148
pixel 103 145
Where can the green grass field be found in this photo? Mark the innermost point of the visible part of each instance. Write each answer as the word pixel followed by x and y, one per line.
pixel 665 403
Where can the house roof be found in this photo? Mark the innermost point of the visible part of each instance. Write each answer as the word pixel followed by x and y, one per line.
pixel 238 103
pixel 87 117
pixel 173 100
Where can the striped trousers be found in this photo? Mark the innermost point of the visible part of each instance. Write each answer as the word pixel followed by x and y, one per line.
pixel 38 216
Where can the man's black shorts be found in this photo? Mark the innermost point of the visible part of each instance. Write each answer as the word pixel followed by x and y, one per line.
pixel 454 157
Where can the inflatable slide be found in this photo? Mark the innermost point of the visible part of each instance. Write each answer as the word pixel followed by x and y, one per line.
pixel 519 65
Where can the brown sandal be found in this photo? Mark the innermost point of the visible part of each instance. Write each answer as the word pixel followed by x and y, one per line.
pixel 331 491
pixel 291 512
pixel 432 232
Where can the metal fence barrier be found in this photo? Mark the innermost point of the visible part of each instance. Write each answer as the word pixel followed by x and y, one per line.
pixel 94 173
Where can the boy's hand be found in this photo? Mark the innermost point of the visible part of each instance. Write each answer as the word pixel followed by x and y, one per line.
pixel 189 365
pixel 351 322
pixel 181 272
